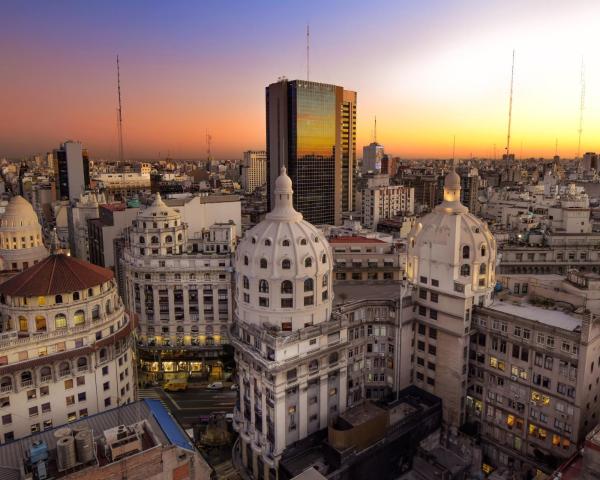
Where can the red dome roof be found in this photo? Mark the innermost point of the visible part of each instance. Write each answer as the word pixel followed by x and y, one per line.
pixel 54 275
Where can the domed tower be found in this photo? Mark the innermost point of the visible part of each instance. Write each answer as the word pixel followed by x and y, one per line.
pixel 284 269
pixel 290 353
pixel 158 230
pixel 21 243
pixel 451 263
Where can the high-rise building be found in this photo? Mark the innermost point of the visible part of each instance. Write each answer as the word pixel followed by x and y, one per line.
pixel 383 202
pixel 254 170
pixel 71 170
pixel 372 158
pixel 311 130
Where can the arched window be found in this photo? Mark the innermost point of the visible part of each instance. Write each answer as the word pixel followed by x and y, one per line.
pixel 103 354
pixel 26 377
pixel 465 270
pixel 482 269
pixel 466 251
pixel 154 239
pixel 179 329
pixel 180 237
pixel 308 285
pixel 40 323
pixel 287 287
pixel 108 308
pixel 45 373
pixel 23 324
pixel 245 259
pixel 253 239
pixel 58 299
pixel 79 317
pixel 64 368
pixel 60 321
pixel 96 312
pixel 316 239
pixel 325 280
pixel 75 295
pixel 6 384
pixel 324 258
pixel 142 239
pixel 81 363
pixel 303 241
pixel 286 264
pixel 246 282
pixel 168 239
pixel 483 250
pixel 285 243
pixel 267 242
pixel 263 263
pixel 308 262
pixel 263 286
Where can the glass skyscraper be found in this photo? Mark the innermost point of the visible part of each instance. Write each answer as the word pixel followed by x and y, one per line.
pixel 311 130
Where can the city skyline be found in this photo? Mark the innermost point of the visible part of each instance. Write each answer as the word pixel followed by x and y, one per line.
pixel 189 68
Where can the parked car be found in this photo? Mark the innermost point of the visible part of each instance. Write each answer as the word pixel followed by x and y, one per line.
pixel 215 386
pixel 234 386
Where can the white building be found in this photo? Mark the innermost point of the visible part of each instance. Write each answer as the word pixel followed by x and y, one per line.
pixel 383 202
pixel 179 289
pixel 290 351
pixel 65 350
pixel 451 263
pixel 21 242
pixel 254 170
pixel 79 212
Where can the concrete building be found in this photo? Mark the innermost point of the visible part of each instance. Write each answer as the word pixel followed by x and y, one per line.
pixel 79 212
pixel 254 170
pixel 179 289
pixel 150 446
pixel 311 130
pixel 360 259
pixel 385 202
pixel 123 185
pixel 451 264
pixel 66 349
pixel 21 241
pixel 372 158
pixel 71 171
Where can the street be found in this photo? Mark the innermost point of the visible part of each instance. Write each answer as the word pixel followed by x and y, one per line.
pixel 187 407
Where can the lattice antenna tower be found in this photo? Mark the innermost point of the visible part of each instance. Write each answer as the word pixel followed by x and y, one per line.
pixel 510 102
pixel 307 52
pixel 581 106
pixel 119 113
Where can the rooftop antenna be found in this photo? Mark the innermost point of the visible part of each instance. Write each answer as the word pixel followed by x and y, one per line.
pixel 120 113
pixel 510 101
pixel 375 131
pixel 556 147
pixel 307 52
pixel 453 151
pixel 581 105
pixel 208 153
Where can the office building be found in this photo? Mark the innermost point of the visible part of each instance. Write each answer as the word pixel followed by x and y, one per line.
pixel 372 158
pixel 71 170
pixel 384 202
pixel 66 349
pixel 254 170
pixel 311 130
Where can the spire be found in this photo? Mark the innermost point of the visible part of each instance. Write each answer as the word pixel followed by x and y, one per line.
pixel 284 195
pixel 451 203
pixel 54 243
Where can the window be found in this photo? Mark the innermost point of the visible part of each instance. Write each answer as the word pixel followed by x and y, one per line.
pixel 263 263
pixel 435 283
pixel 79 317
pixel 286 264
pixel 465 270
pixel 483 250
pixel 432 350
pixel 60 321
pixel 246 282
pixel 324 258
pixel 81 397
pixel 106 386
pixel 287 287
pixel 245 259
pixel 433 297
pixel 263 301
pixel 308 285
pixel 285 243
pixel 482 269
pixel 433 314
pixel 308 262
pixel 308 300
pixel 287 303
pixel 466 252
pixel 267 243
pixel 263 286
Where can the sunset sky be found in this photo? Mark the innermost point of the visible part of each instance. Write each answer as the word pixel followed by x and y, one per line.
pixel 427 69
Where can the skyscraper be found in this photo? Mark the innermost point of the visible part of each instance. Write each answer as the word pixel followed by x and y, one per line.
pixel 311 130
pixel 254 170
pixel 372 158
pixel 71 170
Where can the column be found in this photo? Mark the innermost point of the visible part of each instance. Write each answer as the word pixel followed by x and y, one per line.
pixel 172 323
pixel 303 408
pixel 323 401
pixel 343 387
pixel 279 422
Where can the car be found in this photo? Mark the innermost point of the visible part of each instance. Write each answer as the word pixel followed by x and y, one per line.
pixel 234 386
pixel 215 386
pixel 229 417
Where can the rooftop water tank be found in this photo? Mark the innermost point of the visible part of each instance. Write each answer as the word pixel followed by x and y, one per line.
pixel 65 453
pixel 84 445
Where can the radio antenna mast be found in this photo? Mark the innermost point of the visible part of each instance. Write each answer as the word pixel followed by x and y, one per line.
pixel 581 105
pixel 307 52
pixel 120 113
pixel 510 101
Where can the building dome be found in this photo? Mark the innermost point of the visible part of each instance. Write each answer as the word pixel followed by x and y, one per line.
pixel 452 247
pixel 158 230
pixel 284 268
pixel 21 242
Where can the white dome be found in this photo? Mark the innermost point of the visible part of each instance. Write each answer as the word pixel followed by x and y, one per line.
pixel 21 243
pixel 452 246
pixel 159 210
pixel 284 268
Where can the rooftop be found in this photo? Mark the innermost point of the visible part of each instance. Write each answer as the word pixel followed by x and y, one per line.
pixel 553 318
pixel 354 239
pixel 56 274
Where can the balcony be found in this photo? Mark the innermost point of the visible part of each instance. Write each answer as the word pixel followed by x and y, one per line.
pixel 26 383
pixel 46 378
pixel 6 388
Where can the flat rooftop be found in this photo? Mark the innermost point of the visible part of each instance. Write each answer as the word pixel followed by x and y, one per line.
pixel 553 318
pixel 345 293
